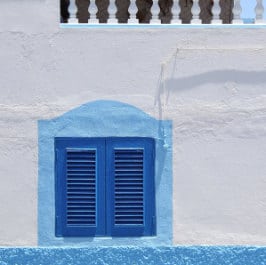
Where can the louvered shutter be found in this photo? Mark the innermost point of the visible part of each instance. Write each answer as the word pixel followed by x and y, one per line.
pixel 80 188
pixel 130 182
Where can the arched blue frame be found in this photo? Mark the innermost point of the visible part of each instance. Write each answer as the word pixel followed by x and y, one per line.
pixel 105 119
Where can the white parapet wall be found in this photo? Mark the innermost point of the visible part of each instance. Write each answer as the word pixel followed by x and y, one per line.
pixel 212 86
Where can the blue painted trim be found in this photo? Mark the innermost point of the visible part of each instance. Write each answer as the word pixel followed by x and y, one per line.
pixel 195 255
pixel 162 26
pixel 61 146
pixel 147 228
pixel 104 119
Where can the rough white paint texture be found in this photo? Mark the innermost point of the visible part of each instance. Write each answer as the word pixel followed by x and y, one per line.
pixel 215 94
pixel 219 111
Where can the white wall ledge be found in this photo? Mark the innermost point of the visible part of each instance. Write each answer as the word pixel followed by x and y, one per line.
pixel 167 26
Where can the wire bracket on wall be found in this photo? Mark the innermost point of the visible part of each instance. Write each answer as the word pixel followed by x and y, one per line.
pixel 162 93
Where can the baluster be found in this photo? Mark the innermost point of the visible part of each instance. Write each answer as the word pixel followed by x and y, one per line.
pixel 93 11
pixel 195 12
pixel 72 12
pixel 176 13
pixel 216 11
pixel 155 10
pixel 133 9
pixel 112 12
pixel 237 10
pixel 259 10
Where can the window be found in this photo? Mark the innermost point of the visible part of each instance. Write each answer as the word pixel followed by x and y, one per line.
pixel 133 129
pixel 105 186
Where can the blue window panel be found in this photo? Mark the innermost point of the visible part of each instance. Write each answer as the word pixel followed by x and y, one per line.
pixel 130 181
pixel 80 187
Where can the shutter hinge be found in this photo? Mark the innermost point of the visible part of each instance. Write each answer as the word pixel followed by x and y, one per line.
pixel 56 155
pixel 56 221
pixel 57 230
pixel 153 225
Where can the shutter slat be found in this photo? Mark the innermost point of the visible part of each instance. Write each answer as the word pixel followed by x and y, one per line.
pixel 79 208
pixel 75 183
pixel 81 193
pixel 127 216
pixel 80 187
pixel 121 182
pixel 81 174
pixel 128 204
pixel 87 197
pixel 127 170
pixel 75 161
pixel 79 202
pixel 81 177
pixel 122 211
pixel 82 214
pixel 133 161
pixel 129 207
pixel 128 199
pixel 127 186
pixel 81 170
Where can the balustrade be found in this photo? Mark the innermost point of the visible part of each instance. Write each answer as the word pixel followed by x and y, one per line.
pixel 155 10
pixel 259 10
pixel 93 12
pixel 195 12
pixel 237 12
pixel 216 11
pixel 178 11
pixel 133 9
pixel 72 12
pixel 112 12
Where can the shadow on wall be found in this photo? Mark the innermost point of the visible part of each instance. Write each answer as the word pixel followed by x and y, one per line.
pixel 214 77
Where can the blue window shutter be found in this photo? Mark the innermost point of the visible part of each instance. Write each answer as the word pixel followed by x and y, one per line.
pixel 130 182
pixel 80 186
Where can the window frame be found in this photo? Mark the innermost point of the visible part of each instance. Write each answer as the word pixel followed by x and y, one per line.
pixel 105 147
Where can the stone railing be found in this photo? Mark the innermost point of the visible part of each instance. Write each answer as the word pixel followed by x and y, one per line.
pixel 160 12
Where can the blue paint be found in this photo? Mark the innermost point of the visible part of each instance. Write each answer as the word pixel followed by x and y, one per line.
pixel 101 214
pixel 148 225
pixel 248 9
pixel 105 119
pixel 98 228
pixel 135 256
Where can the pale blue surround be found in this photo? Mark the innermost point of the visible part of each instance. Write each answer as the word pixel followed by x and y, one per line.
pixel 103 119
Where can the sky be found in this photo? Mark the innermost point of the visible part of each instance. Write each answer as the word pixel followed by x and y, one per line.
pixel 248 8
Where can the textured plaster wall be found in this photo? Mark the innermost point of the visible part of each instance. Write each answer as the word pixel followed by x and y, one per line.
pixel 135 256
pixel 215 94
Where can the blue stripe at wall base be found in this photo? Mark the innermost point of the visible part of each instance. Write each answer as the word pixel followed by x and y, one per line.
pixel 135 255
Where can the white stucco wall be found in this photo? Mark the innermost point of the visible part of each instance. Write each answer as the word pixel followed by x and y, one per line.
pixel 215 95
